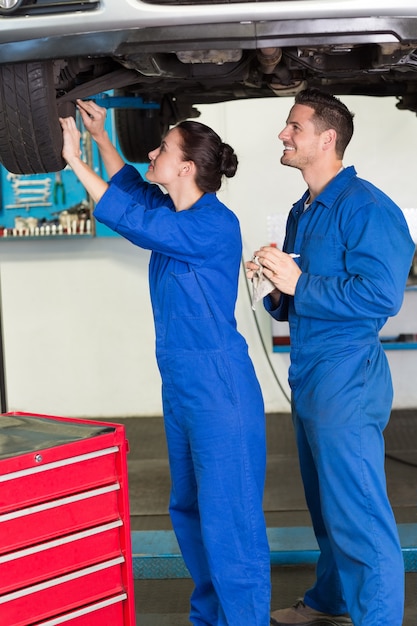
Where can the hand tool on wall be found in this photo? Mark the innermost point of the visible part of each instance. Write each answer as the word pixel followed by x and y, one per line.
pixel 59 195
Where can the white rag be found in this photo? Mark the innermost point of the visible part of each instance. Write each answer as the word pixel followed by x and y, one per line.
pixel 261 285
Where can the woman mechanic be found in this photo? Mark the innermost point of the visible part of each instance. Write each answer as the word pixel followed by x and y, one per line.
pixel 213 408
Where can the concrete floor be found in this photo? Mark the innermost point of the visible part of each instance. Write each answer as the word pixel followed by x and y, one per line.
pixel 165 602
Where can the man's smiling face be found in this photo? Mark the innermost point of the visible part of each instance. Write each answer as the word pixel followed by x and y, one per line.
pixel 300 138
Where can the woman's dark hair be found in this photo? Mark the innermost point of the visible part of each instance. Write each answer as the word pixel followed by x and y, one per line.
pixel 329 112
pixel 212 157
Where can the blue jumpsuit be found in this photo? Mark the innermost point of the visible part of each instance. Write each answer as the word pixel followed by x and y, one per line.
pixel 355 254
pixel 213 407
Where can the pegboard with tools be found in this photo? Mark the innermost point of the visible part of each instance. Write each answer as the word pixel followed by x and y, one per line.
pixel 55 204
pixel 47 205
pixel 43 205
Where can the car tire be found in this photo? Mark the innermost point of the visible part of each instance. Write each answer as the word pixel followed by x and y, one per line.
pixel 30 132
pixel 138 132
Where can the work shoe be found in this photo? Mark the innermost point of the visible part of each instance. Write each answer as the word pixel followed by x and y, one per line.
pixel 303 615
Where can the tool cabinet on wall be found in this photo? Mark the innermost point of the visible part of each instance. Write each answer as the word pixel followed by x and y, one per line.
pixel 44 205
pixel 65 542
pixel 50 205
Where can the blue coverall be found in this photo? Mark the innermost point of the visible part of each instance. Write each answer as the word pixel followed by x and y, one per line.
pixel 355 254
pixel 212 402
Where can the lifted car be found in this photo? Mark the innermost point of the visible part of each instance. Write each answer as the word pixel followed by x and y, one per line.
pixel 163 58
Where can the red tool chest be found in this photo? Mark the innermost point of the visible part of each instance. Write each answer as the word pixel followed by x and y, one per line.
pixel 65 542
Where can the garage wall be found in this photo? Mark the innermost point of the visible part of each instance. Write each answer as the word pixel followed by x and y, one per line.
pixel 77 323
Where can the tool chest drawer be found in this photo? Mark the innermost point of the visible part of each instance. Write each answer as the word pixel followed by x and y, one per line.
pixel 25 527
pixel 44 475
pixel 53 480
pixel 65 542
pixel 32 604
pixel 58 557
pixel 104 613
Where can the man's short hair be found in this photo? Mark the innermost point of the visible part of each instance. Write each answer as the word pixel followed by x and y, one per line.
pixel 329 112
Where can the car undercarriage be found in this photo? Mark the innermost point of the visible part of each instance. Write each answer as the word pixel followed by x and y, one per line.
pixel 159 75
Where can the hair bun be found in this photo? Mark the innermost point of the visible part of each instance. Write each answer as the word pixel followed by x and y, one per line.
pixel 228 160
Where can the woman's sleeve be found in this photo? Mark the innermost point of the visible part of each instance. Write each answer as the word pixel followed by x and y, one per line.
pixel 189 235
pixel 128 179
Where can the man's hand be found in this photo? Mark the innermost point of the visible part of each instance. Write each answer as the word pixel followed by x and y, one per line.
pixel 251 268
pixel 280 268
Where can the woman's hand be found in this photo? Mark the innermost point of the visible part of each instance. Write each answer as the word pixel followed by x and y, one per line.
pixel 71 152
pixel 93 117
pixel 71 139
